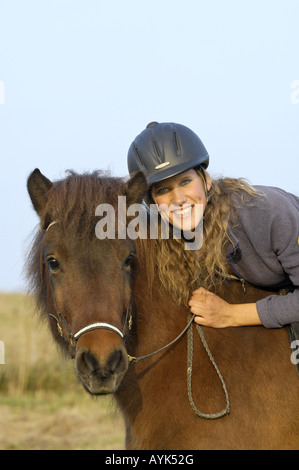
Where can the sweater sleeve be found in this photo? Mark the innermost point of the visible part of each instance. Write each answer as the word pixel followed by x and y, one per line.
pixel 278 311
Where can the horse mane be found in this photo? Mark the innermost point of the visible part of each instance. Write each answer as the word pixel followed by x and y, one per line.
pixel 176 269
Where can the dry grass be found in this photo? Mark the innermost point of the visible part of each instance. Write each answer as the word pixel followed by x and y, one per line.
pixel 42 406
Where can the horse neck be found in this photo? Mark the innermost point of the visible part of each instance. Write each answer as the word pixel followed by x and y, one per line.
pixel 158 317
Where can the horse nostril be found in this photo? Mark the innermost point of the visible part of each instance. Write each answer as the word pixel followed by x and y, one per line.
pixel 114 361
pixel 87 362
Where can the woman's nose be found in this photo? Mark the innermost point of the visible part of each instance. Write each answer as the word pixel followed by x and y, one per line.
pixel 178 196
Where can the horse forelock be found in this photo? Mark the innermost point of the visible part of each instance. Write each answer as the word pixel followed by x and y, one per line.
pixel 73 201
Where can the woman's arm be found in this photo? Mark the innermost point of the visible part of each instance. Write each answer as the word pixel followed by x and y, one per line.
pixel 211 310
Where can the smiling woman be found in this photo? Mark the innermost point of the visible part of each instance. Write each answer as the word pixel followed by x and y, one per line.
pixel 249 231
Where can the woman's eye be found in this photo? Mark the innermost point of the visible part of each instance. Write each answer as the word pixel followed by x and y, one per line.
pixel 53 264
pixel 186 181
pixel 161 191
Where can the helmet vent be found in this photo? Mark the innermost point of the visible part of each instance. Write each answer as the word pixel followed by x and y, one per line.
pixel 158 151
pixel 176 143
pixel 141 164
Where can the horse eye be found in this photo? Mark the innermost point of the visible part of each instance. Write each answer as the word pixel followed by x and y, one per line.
pixel 129 260
pixel 53 264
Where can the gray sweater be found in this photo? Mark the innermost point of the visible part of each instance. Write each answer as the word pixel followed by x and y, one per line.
pixel 265 251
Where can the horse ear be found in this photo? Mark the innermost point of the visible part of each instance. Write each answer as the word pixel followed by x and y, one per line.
pixel 136 188
pixel 38 187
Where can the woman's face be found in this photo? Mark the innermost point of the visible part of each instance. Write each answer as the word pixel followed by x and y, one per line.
pixel 182 199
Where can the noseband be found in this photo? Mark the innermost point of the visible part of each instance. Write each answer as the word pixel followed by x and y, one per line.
pixel 73 338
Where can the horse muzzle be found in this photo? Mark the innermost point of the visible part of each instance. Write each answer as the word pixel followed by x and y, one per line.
pixel 100 373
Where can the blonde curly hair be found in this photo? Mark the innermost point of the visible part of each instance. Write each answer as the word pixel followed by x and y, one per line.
pixel 181 271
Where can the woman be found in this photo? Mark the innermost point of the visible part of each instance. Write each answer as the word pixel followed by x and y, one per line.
pixel 253 230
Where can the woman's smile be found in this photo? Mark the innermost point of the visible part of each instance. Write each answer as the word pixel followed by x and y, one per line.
pixel 183 211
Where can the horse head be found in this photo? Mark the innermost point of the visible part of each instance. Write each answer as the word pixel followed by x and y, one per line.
pixel 83 284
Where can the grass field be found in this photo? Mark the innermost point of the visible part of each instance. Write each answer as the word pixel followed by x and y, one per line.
pixel 42 405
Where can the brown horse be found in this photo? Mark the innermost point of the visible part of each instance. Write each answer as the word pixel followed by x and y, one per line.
pixel 97 293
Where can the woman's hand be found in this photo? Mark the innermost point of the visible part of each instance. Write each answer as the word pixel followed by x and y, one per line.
pixel 211 310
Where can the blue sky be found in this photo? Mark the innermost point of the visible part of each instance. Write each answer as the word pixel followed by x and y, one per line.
pixel 79 79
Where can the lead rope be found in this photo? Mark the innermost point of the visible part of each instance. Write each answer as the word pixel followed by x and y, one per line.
pixel 190 362
pixel 189 375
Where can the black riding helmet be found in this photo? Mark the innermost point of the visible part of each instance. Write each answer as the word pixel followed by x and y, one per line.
pixel 166 149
